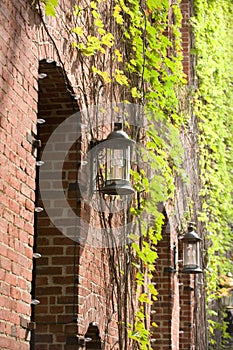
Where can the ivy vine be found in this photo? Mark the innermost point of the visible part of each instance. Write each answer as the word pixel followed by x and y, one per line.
pixel 149 78
pixel 133 52
pixel 212 103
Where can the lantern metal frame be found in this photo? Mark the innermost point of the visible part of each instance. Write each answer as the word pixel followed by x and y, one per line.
pixel 118 149
pixel 191 251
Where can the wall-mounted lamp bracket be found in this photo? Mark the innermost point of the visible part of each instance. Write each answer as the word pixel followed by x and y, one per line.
pixel 171 269
pixel 24 323
pixel 33 141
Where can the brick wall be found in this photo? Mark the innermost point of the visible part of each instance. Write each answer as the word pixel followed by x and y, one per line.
pixel 187 312
pixel 54 275
pixel 165 312
pixel 186 37
pixel 18 91
pixel 71 282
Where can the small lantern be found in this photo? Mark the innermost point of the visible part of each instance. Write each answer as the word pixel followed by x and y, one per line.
pixel 191 251
pixel 227 300
pixel 117 163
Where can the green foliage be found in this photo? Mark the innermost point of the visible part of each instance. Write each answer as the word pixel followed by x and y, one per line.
pixel 50 7
pixel 159 74
pixel 213 28
pixel 147 68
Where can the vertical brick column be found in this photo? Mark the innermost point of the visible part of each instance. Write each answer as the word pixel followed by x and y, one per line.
pixel 186 312
pixel 18 108
pixel 55 284
pixel 165 311
pixel 186 37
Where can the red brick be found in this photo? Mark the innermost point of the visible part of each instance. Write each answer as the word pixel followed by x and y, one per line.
pixel 18 69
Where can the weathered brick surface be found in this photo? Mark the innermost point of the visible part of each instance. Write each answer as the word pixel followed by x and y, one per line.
pixel 23 44
pixel 187 312
pixel 71 282
pixel 166 310
pixel 186 37
pixel 18 70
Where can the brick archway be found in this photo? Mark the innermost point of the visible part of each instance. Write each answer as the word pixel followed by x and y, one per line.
pixel 55 281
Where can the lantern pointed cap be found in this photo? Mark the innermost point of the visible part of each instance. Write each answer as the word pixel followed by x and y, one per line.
pixel 191 235
pixel 119 135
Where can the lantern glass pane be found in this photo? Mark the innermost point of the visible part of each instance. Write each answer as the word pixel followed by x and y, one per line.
pixel 198 262
pixel 231 299
pixel 127 163
pixel 228 300
pixel 117 164
pixel 191 255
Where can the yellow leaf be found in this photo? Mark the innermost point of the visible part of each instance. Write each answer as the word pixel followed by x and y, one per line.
pixel 102 50
pixel 116 14
pixel 120 77
pixel 135 93
pixel 77 10
pixel 108 39
pixel 119 56
pixel 101 31
pixel 103 74
pixel 95 14
pixel 81 47
pixel 78 30
pixel 93 5
pixel 94 69
pixel 74 44
pixel 98 23
pixel 106 77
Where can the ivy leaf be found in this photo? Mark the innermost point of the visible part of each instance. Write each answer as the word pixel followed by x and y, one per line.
pixel 101 31
pixel 98 23
pixel 50 7
pixel 116 14
pixel 106 77
pixel 103 74
pixel 77 10
pixel 143 298
pixel 75 45
pixel 120 77
pixel 78 30
pixel 93 5
pixel 108 40
pixel 118 55
pixel 95 14
pixel 135 93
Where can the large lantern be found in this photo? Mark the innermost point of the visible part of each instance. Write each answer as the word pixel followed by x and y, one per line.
pixel 227 300
pixel 117 162
pixel 191 251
